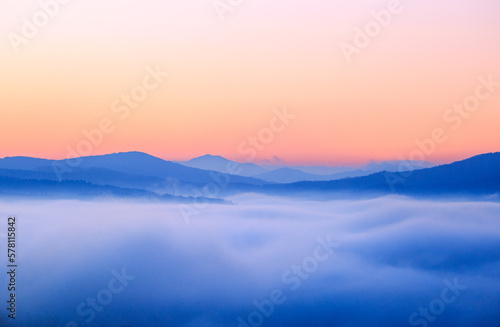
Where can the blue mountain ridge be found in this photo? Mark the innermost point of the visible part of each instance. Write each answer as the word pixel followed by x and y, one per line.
pixel 475 176
pixel 136 174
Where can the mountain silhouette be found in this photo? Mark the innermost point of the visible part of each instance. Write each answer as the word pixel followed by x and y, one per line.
pixel 136 174
pixel 131 163
pixel 220 164
pixel 479 175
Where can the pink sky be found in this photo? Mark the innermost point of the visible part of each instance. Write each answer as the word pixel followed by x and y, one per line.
pixel 226 77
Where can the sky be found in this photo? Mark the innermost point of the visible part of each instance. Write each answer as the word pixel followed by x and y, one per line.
pixel 231 68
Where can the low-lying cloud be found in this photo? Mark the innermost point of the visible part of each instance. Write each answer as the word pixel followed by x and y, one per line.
pixel 394 256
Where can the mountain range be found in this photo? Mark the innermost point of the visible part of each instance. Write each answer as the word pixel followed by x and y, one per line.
pixel 140 175
pixel 478 176
pixel 290 174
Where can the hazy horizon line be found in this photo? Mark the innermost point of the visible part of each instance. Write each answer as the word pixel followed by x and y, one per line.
pixel 269 162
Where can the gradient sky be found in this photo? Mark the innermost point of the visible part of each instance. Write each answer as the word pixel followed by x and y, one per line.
pixel 226 77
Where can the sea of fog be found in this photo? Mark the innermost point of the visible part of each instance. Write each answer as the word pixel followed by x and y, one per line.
pixel 263 261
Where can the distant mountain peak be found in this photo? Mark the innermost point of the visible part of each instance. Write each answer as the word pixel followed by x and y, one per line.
pixel 208 159
pixel 220 164
pixel 137 153
pixel 210 156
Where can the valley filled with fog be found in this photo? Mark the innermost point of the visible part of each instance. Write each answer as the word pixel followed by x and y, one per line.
pixel 263 261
